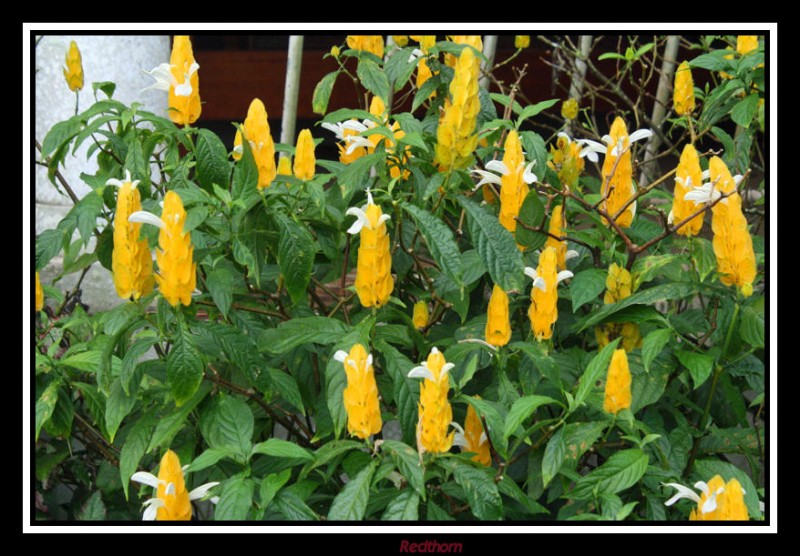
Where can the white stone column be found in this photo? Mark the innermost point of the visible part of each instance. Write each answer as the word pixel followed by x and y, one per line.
pixel 120 59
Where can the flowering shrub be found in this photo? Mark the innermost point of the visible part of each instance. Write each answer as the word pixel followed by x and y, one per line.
pixel 315 339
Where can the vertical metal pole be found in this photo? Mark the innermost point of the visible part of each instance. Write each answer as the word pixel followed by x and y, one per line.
pixel 294 59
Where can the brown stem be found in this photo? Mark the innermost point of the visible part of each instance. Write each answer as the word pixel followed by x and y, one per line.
pixel 60 177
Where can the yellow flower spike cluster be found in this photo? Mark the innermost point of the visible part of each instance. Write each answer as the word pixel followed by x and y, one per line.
pixel 367 43
pixel 566 160
pixel 733 246
pixel 472 438
pixel 522 41
pixel 745 44
pixel 683 94
pixel 718 501
pixel 361 392
pixel 39 294
pixel 420 317
pixel 543 311
pixel 619 284
pixel 284 166
pixel 688 176
pixel 423 71
pixel 456 135
pixel 131 261
pixel 435 412
pixel 257 132
pixel 425 41
pixel 619 189
pixel 513 188
pixel 557 223
pixel 374 282
pixel 304 159
pixel 400 40
pixel 176 270
pixel 498 322
pixel 73 73
pixel 185 108
pixel 618 384
pixel 569 109
pixel 474 41
pixel 378 108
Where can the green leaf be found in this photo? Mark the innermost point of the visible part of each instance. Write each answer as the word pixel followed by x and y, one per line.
pixel 235 499
pixel 228 424
pixel 406 390
pixel 287 388
pixel 270 486
pixel 293 508
pixel 278 448
pixel 118 405
pixel 713 61
pixel 513 491
pixel 534 109
pixel 531 213
pixel 596 369
pixel 440 241
pixel 506 101
pixel 209 457
pixel 60 133
pixel 45 405
pixel 304 330
pixel 653 344
pixel 400 66
pixel 330 451
pixel 703 256
pixel 424 92
pixel 536 151
pixel 296 251
pixel 611 56
pixel 706 469
pixel 134 448
pixel 405 507
pixel 522 409
pixel 579 437
pixel 730 441
pixel 647 268
pixel 406 459
pixel 245 174
pixel 752 327
pixel 322 93
pixel 108 87
pixel 435 513
pixel 48 245
pixel 496 247
pixel 744 110
pixel 169 426
pixel 700 365
pixel 586 286
pixel 482 494
pixel 351 503
pixel 212 160
pixel 621 471
pixel 93 509
pixel 354 176
pixel 220 284
pixel 415 140
pixel 488 410
pixel 433 185
pixel 86 211
pixel 554 454
pixel 372 77
pixel 184 366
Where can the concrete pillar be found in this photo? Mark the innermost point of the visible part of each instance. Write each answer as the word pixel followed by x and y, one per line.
pixel 120 59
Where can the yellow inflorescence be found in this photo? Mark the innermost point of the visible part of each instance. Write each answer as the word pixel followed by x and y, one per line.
pixel 73 73
pixel 619 189
pixel 569 109
pixel 556 228
pixel 374 282
pixel 566 161
pixel 39 294
pixel 367 43
pixel 456 135
pixel 131 262
pixel 618 384
pixel 730 502
pixel 284 166
pixel 184 109
pixel 498 323
pixel 513 188
pixel 176 270
pixel 256 130
pixel 543 311
pixel 435 412
pixel 683 95
pixel 733 246
pixel 361 394
pixel 745 44
pixel 618 287
pixel 177 506
pixel 474 41
pixel 304 159
pixel 475 437
pixel 522 41
pixel 420 317
pixel 400 40
pixel 688 176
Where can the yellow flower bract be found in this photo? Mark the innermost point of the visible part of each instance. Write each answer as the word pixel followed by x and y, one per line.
pixel 184 110
pixel 420 317
pixel 569 109
pixel 456 135
pixel 618 384
pixel 476 438
pixel 566 161
pixel 256 130
pixel 176 270
pixel 39 294
pixel 361 394
pixel 513 188
pixel 366 43
pixel 374 282
pixel 131 262
pixel 689 172
pixel 556 229
pixel 73 73
pixel 434 410
pixel 177 506
pixel 543 311
pixel 730 502
pixel 498 322
pixel 617 176
pixel 304 159
pixel 619 284
pixel 683 95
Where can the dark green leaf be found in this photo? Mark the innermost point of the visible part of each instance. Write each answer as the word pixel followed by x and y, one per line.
pixel 351 503
pixel 531 214
pixel 105 247
pixel 235 499
pixel 399 67
pixel 61 133
pixel 435 513
pixel 536 151
pixel 744 110
pixel 714 61
pixel 406 459
pixel 45 406
pixel 212 160
pixel 48 245
pixel 512 490
pixel 86 211
pixel 752 327
pixel 298 331
pixel 296 251
pixel 647 268
pixel 481 490
pixel 93 509
pixel 373 78
pixel 522 409
pixel 440 241
pixel 586 286
pixel 169 426
pixel 293 508
pixel 134 448
pixel 118 405
pixel 245 174
pixel 208 458
pixel 287 388
pixel 653 345
pixel 184 366
pixel 534 109
pixel 700 365
pixel 330 451
pixel 597 368
pixel 554 455
pixel 406 390
pixel 228 424
pixel 322 93
pixel 278 448
pixel 354 177
pixel 425 92
pixel 108 87
pixel 621 471
pixel 270 486
pixel 220 284
pixel 506 101
pixel 489 411
pixel 405 507
pixel 496 246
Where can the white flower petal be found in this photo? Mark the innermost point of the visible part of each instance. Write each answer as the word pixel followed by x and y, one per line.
pixel 702 486
pixel 446 369
pixel 114 182
pixel 571 254
pixel 564 135
pixel 683 492
pixel 184 89
pixel 498 166
pixel 671 218
pixel 706 174
pixel 147 218
pixel 355 141
pixel 336 128
pixel 460 440
pixel 170 488
pixel 605 139
pixel 201 491
pixel 591 155
pixel 531 272
pixel 737 179
pixel 711 504
pixel 214 500
pixel 361 221
pixel 340 356
pixel 487 177
pixel 416 53
pixel 193 69
pixel 528 176
pixel 640 134
pixel 354 125
pixel 421 372
pixel 563 275
pixel 540 283
pixel 383 218
pixel 457 427
pixel 145 478
pixel 434 350
pixel 150 513
pixel 483 437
